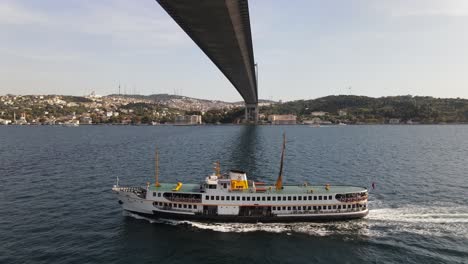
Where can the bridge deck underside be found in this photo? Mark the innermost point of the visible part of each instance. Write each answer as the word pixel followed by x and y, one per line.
pixel 221 28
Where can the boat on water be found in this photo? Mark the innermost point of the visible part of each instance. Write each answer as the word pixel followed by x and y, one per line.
pixel 232 197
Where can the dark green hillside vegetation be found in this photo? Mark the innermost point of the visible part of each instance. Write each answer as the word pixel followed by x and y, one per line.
pixel 377 110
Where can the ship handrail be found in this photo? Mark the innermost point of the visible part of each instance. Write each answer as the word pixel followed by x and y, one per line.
pixel 137 190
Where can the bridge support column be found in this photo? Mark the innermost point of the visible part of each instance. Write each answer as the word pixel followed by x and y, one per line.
pixel 251 113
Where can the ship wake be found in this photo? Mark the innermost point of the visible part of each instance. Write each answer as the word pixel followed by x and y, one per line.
pixel 432 221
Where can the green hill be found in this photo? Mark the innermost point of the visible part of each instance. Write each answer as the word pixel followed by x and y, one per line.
pixel 365 109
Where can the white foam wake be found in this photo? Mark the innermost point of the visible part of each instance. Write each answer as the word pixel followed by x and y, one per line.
pixel 420 215
pixel 427 221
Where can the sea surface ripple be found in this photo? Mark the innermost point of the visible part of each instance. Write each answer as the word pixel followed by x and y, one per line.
pixel 57 206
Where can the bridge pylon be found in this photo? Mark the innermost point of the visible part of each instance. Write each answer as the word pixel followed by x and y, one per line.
pixel 251 113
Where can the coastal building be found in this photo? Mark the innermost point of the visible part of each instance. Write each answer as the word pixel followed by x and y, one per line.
pixel 317 121
pixel 188 120
pixel 86 120
pixel 318 113
pixel 282 119
pixel 394 121
pixel 5 121
pixel 342 113
pixel 22 120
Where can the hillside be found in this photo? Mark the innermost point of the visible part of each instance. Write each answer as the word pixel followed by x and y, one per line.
pixel 364 109
pixel 185 103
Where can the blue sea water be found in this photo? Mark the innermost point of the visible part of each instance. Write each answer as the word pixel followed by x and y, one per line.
pixel 56 205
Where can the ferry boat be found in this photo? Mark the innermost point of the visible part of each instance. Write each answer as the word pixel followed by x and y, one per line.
pixel 232 197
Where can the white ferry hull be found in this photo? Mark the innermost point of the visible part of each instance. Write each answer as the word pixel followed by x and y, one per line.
pixel 131 202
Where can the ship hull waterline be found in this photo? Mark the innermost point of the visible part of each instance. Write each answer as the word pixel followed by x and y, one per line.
pixel 253 219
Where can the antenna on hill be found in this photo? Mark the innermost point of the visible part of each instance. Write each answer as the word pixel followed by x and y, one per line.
pixel 349 89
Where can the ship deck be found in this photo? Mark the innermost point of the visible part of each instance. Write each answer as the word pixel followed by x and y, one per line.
pixel 270 189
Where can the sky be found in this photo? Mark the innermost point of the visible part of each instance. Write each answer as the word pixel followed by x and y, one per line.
pixel 304 48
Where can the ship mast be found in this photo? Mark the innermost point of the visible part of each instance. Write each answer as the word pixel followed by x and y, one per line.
pixel 217 168
pixel 279 181
pixel 156 183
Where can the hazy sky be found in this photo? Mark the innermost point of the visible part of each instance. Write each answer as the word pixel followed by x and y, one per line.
pixel 305 49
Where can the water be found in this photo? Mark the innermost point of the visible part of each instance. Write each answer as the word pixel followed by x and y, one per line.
pixel 56 205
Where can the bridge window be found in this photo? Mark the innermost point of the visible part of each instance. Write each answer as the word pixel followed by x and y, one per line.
pixel 273 208
pixel 238 198
pixel 194 206
pixel 310 198
pixel 217 198
pixel 289 198
pixel 329 207
pixel 320 197
pixel 315 207
pixel 325 198
pixel 274 198
pixel 339 206
pixel 284 208
pixel 294 208
pixel 159 194
pixel 180 206
pixel 294 198
pixel 289 208
pixel 263 198
pixel 315 198
pixel 308 208
pixel 227 198
pixel 212 186
pixel 185 206
pixel 154 194
pixel 304 208
pixel 207 197
pixel 299 198
pixel 329 197
pixel 268 198
pixel 233 198
pixel 189 206
pixel 334 207
pixel 224 185
pixel 222 198
pixel 248 198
